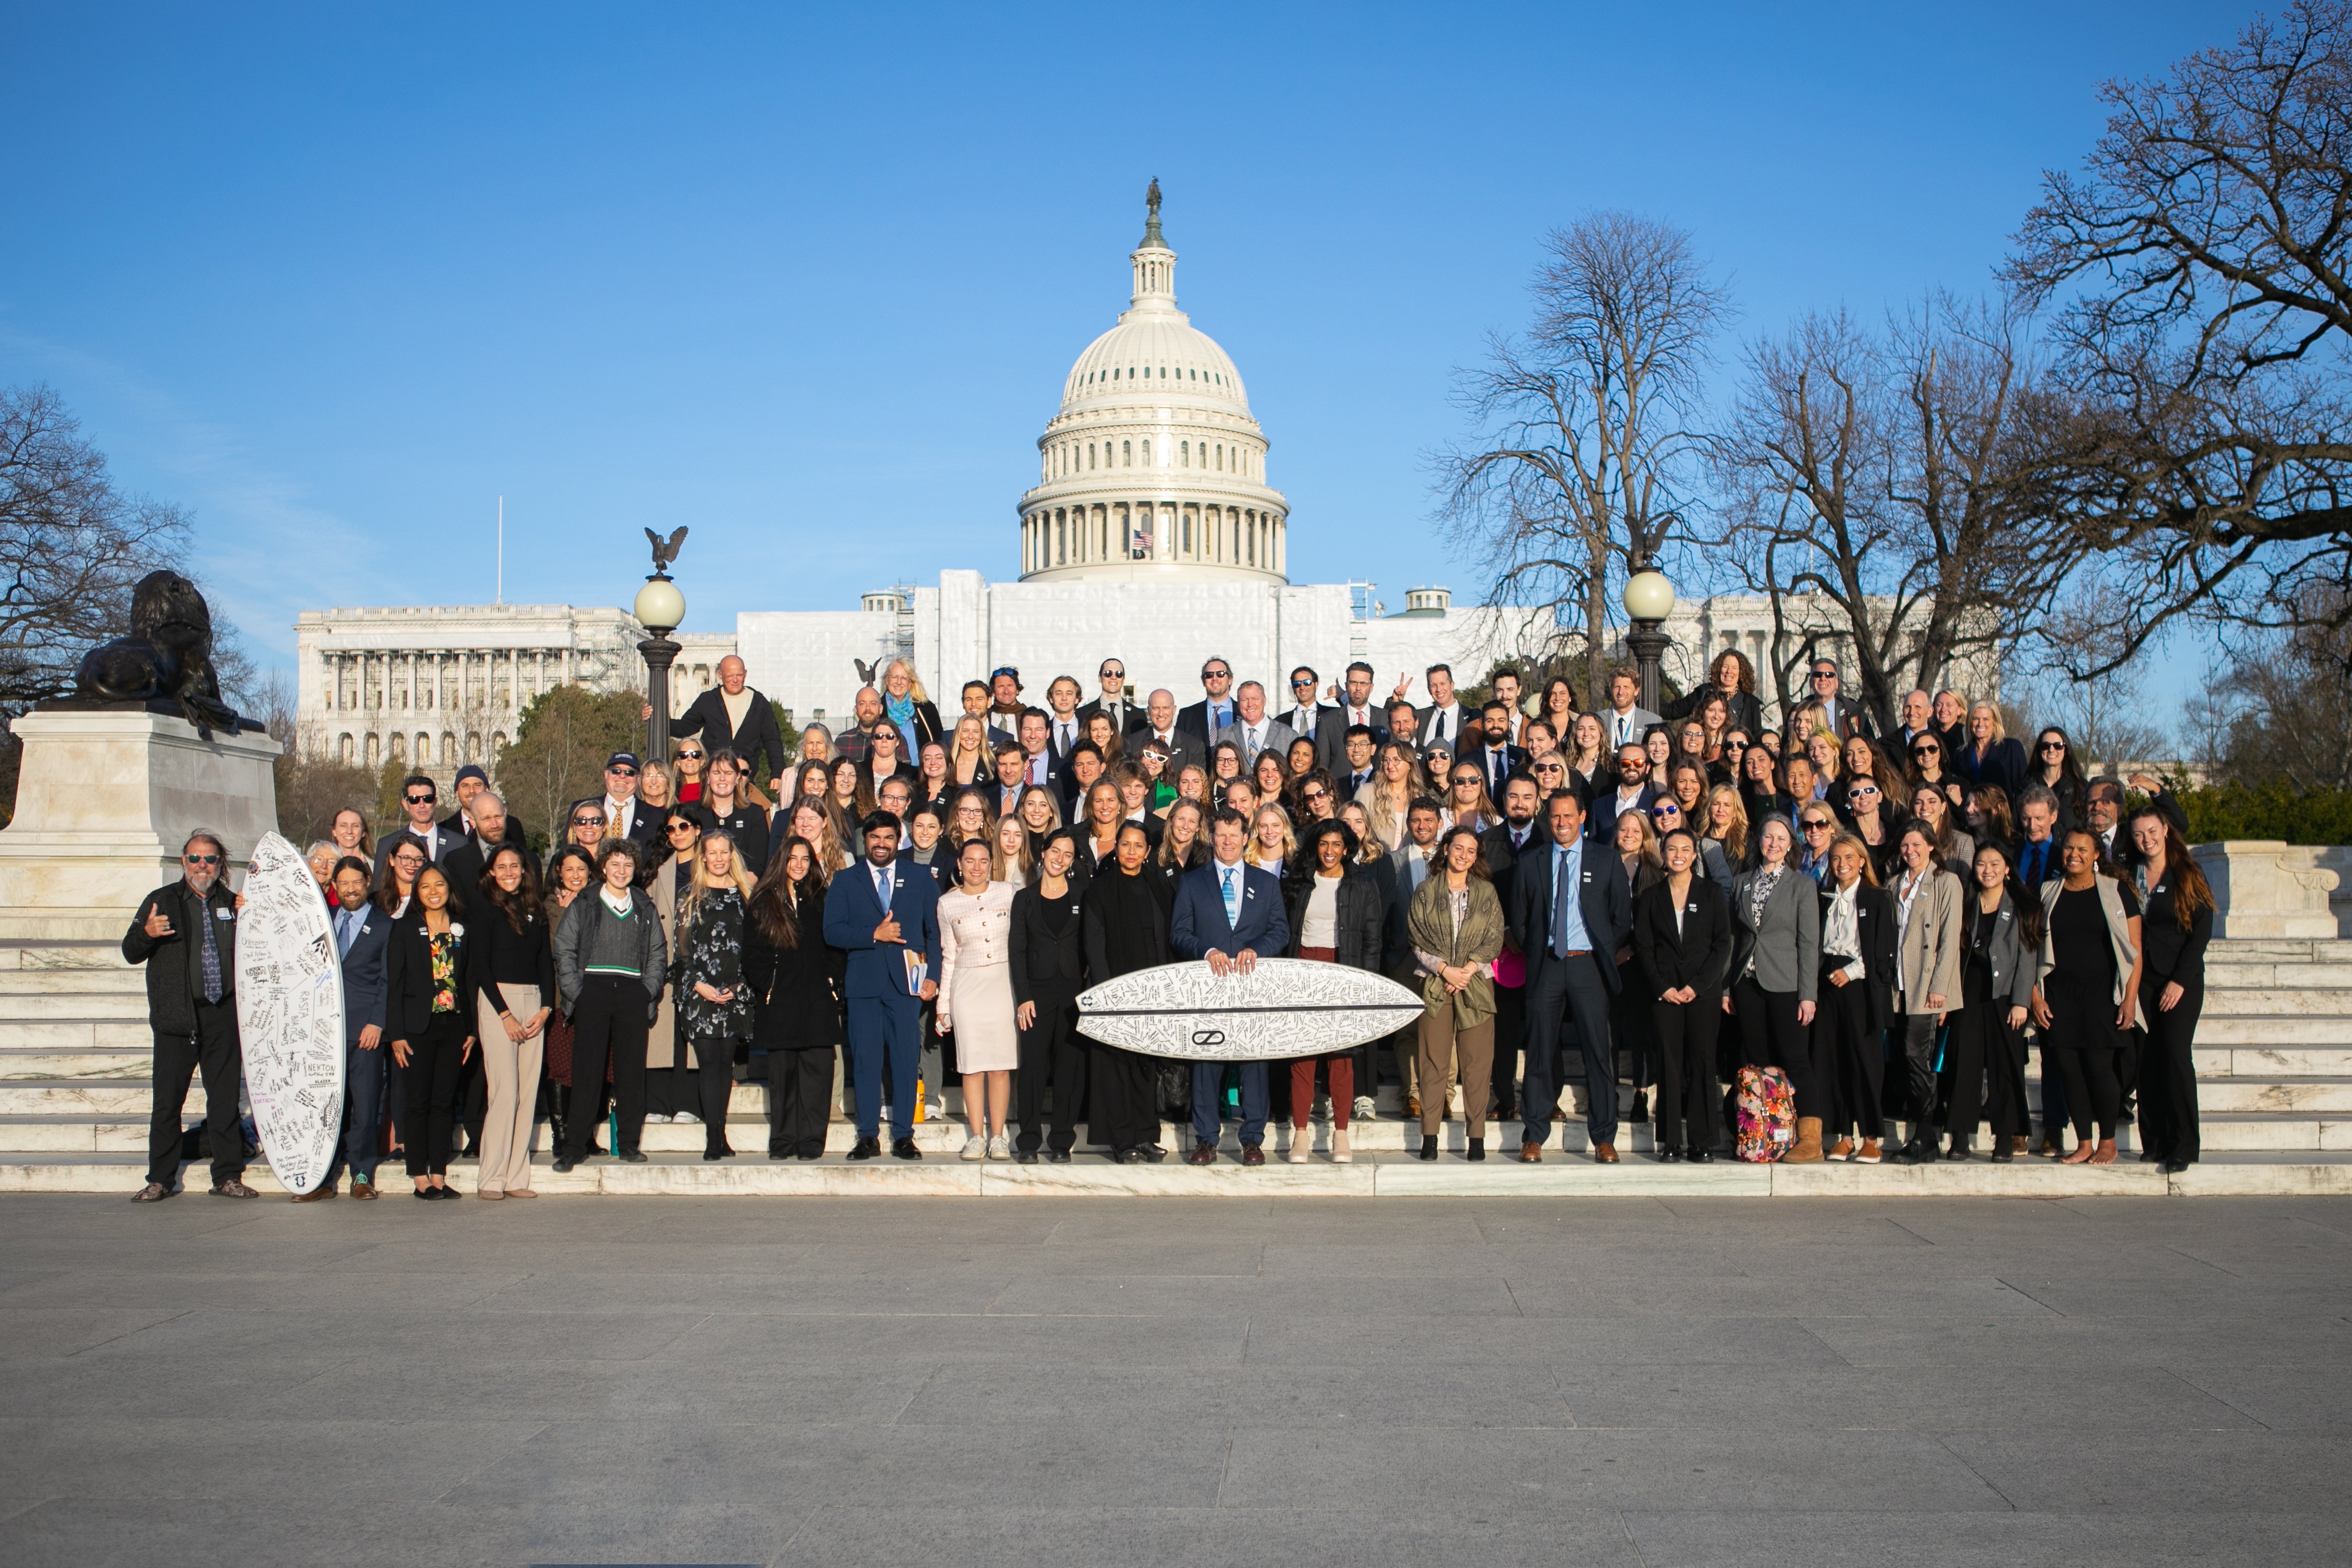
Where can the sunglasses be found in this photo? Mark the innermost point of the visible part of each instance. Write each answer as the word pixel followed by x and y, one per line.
pixel 1547 767
pixel 1826 675
pixel 1867 791
pixel 202 860
pixel 1735 745
pixel 587 822
pixel 689 756
pixel 681 828
pixel 1926 751
pixel 621 772
pixel 419 799
pixel 2053 745
pixel 1817 827
pixel 1664 812
pixel 1112 674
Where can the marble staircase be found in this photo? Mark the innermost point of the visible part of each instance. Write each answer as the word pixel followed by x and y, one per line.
pixel 2273 1056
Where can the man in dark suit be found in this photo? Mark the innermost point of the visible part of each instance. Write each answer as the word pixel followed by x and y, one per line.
pixel 1039 765
pixel 417 795
pixel 1571 910
pixel 1011 767
pixel 1359 752
pixel 466 862
pixel 733 717
pixel 882 914
pixel 1205 719
pixel 1504 844
pixel 1228 912
pixel 1356 706
pixel 1442 722
pixel 2036 856
pixel 1159 724
pixel 1316 722
pixel 1845 719
pixel 1252 730
pixel 1112 704
pixel 185 933
pixel 1632 792
pixel 360 931
pixel 1497 757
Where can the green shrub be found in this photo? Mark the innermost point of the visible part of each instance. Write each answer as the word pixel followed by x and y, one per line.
pixel 2273 810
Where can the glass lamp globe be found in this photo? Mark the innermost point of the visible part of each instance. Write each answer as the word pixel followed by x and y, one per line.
pixel 661 608
pixel 1648 595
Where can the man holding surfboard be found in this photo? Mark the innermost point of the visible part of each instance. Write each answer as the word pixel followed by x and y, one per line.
pixel 185 933
pixel 1228 912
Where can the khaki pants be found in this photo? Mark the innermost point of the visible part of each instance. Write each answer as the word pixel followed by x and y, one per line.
pixel 1444 1049
pixel 510 1076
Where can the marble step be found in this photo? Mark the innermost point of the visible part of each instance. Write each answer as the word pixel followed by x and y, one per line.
pixel 1385 1175
pixel 45 1006
pixel 121 980
pixel 2277 1001
pixel 2275 1029
pixel 2254 1061
pixel 125 1130
pixel 20 1062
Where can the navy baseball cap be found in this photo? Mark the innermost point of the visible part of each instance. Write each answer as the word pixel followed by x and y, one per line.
pixel 621 760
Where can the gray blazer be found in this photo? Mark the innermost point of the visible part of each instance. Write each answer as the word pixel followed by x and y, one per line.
pixel 1278 739
pixel 2013 970
pixel 1787 944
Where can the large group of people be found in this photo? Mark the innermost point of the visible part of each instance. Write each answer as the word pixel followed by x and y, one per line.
pixel 910 908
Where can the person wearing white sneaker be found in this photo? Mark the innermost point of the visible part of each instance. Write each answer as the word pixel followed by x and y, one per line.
pixel 976 1146
pixel 975 998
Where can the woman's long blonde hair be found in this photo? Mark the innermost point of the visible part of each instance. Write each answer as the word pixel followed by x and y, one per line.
pixel 914 682
pixel 739 877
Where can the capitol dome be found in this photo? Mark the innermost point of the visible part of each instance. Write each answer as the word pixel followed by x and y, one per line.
pixel 1153 467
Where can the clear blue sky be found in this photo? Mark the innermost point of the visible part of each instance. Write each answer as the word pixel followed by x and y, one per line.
pixel 808 279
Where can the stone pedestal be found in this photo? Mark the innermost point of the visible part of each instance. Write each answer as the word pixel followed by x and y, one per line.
pixel 104 802
pixel 2266 888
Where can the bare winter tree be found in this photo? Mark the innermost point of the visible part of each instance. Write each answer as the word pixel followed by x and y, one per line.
pixel 72 547
pixel 2201 262
pixel 1581 442
pixel 1869 492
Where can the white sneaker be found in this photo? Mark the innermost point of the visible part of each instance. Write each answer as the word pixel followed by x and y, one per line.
pixel 1367 1109
pixel 936 1110
pixel 976 1147
pixel 1302 1146
pixel 999 1148
pixel 654 1118
pixel 689 1117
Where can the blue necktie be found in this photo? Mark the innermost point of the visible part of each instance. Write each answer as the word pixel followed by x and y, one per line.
pixel 1233 902
pixel 346 927
pixel 1560 896
pixel 882 888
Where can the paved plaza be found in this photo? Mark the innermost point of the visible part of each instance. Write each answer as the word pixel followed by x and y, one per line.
pixel 849 1382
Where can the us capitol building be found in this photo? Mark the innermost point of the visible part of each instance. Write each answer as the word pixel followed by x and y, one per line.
pixel 1153 534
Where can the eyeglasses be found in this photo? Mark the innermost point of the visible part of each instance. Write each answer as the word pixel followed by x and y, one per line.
pixel 1460 779
pixel 202 860
pixel 419 799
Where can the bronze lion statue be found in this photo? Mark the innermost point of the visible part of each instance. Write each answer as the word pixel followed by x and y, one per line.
pixel 167 662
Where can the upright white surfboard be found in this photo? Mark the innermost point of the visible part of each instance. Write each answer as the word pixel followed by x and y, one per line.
pixel 1287 1007
pixel 290 1013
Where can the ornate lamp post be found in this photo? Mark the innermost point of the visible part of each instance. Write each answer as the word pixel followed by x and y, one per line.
pixel 660 609
pixel 1649 600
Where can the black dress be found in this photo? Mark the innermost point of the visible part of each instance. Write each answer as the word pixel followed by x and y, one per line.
pixel 2170 952
pixel 1048 962
pixel 1125 926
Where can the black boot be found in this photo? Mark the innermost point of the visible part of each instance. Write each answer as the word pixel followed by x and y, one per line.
pixel 1428 1147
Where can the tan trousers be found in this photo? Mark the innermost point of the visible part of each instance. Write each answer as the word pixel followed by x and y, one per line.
pixel 510 1084
pixel 1444 1050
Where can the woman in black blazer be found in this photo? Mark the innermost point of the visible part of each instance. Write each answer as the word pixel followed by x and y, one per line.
pixel 795 984
pixel 1046 951
pixel 426 981
pixel 1860 967
pixel 1682 947
pixel 2176 925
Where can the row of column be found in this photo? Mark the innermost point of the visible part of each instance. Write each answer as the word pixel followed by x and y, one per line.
pixel 352 678
pixel 1051 537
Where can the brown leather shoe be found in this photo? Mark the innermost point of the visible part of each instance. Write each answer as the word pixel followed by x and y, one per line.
pixel 1413 1107
pixel 1604 1153
pixel 318 1195
pixel 363 1190
pixel 1530 1152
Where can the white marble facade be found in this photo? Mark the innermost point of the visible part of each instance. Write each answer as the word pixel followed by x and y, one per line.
pixel 441 686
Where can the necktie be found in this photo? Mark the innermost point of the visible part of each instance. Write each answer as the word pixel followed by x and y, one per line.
pixel 1440 735
pixel 1560 893
pixel 882 888
pixel 346 928
pixel 211 953
pixel 1064 747
pixel 1233 901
